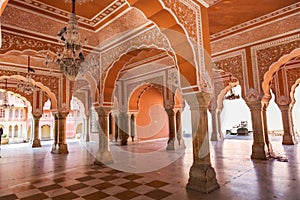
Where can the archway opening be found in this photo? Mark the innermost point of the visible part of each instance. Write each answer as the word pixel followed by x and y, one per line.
pixel 235 113
pixel 151 119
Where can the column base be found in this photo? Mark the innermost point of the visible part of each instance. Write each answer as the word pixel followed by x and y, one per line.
pixel 288 140
pixel 103 158
pixel 170 145
pixel 179 145
pixel 202 178
pixel 36 143
pixel 259 151
pixel 124 140
pixel 60 149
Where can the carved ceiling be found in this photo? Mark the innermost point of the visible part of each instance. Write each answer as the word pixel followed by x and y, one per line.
pixel 229 13
pixel 223 14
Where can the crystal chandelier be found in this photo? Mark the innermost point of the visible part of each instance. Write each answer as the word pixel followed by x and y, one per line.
pixel 27 86
pixel 5 104
pixel 70 59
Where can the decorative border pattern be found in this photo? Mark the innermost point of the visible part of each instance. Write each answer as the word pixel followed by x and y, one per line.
pixel 256 21
pixel 105 13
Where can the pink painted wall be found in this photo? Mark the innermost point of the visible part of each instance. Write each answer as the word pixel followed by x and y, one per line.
pixel 152 120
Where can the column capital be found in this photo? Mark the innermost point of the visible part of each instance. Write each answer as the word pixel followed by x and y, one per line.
pixel 284 107
pixel 198 100
pixel 103 111
pixel 37 113
pixel 60 115
pixel 254 105
pixel 169 111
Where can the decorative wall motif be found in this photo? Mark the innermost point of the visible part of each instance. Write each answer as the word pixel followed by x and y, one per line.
pixel 159 79
pixel 188 14
pixel 150 38
pixel 49 81
pixel 293 75
pixel 252 95
pixel 16 42
pixel 264 55
pixel 235 64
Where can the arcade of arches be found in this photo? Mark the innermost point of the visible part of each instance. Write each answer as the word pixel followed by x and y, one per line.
pixel 146 61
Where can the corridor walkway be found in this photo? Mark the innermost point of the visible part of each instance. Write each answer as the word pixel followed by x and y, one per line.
pixel 27 173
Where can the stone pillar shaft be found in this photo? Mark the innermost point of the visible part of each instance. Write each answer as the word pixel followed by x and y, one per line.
pixel 214 120
pixel 61 146
pixel 116 130
pixel 288 129
pixel 36 132
pixel 103 155
pixel 179 129
pixel 266 130
pixel 133 127
pixel 219 123
pixel 87 128
pixel 259 147
pixel 171 119
pixel 123 127
pixel 202 175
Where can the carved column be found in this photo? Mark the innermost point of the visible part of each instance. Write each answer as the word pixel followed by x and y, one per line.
pixel 36 142
pixel 123 127
pixel 103 155
pixel 214 135
pixel 86 122
pixel 266 130
pixel 219 123
pixel 179 129
pixel 55 131
pixel 61 147
pixel 116 133
pixel 287 122
pixel 202 175
pixel 259 147
pixel 133 126
pixel 171 119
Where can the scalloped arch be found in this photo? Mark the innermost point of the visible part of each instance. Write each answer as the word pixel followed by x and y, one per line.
pixel 113 72
pixel 40 85
pixel 223 93
pixel 293 89
pixel 178 37
pixel 275 67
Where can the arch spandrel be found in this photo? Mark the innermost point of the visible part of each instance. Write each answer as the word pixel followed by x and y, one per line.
pixel 268 76
pixel 113 72
pixel 47 90
pixel 177 37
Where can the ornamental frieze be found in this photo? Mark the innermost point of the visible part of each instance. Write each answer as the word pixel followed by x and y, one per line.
pixel 16 42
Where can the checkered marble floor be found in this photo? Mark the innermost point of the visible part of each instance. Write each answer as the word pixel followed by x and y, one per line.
pixel 35 174
pixel 96 182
